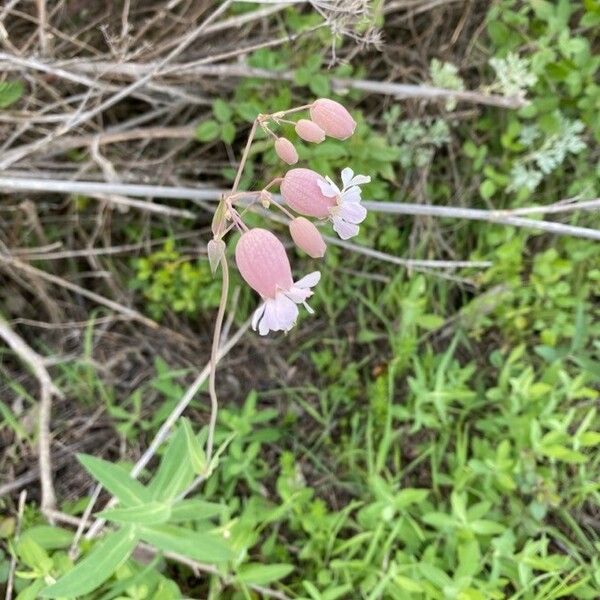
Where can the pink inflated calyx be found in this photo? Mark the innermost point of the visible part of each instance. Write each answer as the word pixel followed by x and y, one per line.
pixel 264 266
pixel 332 118
pixel 307 237
pixel 300 189
pixel 263 262
pixel 309 131
pixel 286 151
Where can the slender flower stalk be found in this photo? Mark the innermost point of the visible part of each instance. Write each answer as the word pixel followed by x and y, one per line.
pixel 260 256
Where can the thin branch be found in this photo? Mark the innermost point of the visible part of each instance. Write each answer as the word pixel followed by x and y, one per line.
pixel 409 263
pixel 503 217
pixel 386 88
pixel 47 390
pixel 22 151
pixel 11 261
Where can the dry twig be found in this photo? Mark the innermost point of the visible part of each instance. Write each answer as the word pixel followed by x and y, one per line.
pixel 47 390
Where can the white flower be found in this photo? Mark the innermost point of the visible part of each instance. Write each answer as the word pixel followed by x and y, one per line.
pixel 348 211
pixel 280 313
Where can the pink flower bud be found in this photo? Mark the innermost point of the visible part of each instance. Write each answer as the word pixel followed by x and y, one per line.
pixel 286 151
pixel 307 237
pixel 263 263
pixel 332 118
pixel 300 189
pixel 309 131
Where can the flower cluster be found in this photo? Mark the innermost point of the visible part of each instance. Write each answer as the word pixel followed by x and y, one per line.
pixel 260 256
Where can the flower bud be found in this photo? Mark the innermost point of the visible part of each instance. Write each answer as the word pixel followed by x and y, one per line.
pixel 286 151
pixel 307 237
pixel 263 263
pixel 309 131
pixel 301 191
pixel 332 118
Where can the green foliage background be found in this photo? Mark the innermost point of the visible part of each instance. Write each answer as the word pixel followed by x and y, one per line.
pixel 440 438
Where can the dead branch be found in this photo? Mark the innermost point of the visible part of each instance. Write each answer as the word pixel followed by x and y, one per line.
pixel 47 390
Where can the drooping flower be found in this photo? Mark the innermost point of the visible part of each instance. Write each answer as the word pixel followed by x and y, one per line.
pixel 301 190
pixel 309 131
pixel 264 266
pixel 347 212
pixel 332 118
pixel 286 151
pixel 307 237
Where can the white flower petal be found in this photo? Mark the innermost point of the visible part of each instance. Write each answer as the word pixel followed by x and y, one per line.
pixel 360 180
pixel 256 317
pixel 328 189
pixel 286 312
pixel 344 229
pixel 352 194
pixel 297 294
pixel 352 212
pixel 347 175
pixel 309 281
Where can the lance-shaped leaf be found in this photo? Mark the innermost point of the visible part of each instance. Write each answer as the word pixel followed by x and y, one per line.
pixel 116 480
pixel 96 567
pixel 152 513
pixel 205 547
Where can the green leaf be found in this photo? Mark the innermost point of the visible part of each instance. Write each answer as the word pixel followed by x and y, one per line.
pixel 485 527
pixel 49 538
pixel 195 510
pixel 439 520
pixel 222 111
pixel 565 454
pixel 33 555
pixel 194 447
pixel 175 472
pixel 410 496
pixel 205 547
pixel 208 131
pixel 116 480
pixel 10 92
pixel 31 592
pixel 228 132
pixel 96 567
pixel 589 438
pixel 152 513
pixel 487 189
pixel 258 574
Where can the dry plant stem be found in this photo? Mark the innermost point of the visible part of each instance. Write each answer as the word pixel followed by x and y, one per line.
pixel 47 389
pixel 165 428
pixel 83 116
pixel 128 312
pixel 505 217
pixel 398 90
pixel 13 560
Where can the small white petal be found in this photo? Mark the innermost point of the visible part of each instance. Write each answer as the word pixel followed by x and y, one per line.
pixel 360 180
pixel 344 229
pixel 298 294
pixel 352 212
pixel 330 190
pixel 352 194
pixel 256 317
pixel 309 280
pixel 347 175
pixel 286 312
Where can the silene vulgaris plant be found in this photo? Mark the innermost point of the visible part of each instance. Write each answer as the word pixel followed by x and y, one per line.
pixel 307 197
